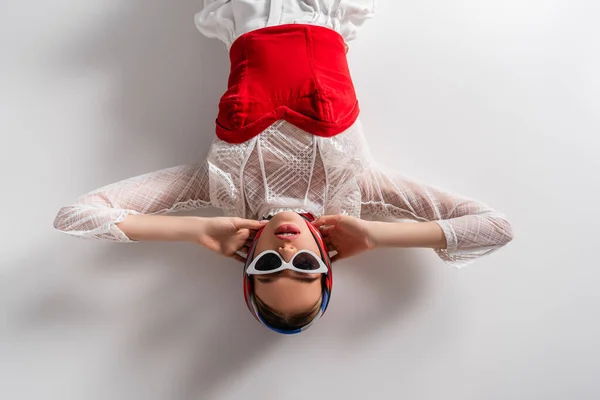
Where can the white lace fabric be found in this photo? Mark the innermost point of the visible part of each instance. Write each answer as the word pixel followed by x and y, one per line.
pixel 285 168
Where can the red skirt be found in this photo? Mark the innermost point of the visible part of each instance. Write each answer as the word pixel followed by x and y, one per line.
pixel 298 73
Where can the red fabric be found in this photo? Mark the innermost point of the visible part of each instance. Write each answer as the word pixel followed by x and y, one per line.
pixel 298 73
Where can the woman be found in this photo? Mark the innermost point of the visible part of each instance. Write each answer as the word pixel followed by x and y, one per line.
pixel 290 169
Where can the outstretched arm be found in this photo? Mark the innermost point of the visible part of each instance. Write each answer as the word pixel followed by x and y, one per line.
pixel 460 229
pixel 119 212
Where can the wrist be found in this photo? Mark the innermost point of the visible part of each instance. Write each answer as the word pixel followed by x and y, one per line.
pixel 193 229
pixel 376 233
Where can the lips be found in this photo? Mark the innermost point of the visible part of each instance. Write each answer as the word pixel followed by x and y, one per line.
pixel 287 232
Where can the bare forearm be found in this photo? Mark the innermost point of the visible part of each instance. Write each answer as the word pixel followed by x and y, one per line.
pixel 407 234
pixel 161 227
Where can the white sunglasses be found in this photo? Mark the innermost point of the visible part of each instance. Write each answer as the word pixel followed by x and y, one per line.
pixel 269 262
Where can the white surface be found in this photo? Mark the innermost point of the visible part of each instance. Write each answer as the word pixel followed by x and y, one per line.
pixel 97 91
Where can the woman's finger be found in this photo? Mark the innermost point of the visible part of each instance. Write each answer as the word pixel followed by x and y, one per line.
pixel 241 223
pixel 330 247
pixel 327 220
pixel 326 230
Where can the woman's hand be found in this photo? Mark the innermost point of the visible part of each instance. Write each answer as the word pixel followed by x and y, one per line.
pixel 346 235
pixel 226 235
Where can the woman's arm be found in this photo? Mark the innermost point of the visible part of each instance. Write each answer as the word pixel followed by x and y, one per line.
pixel 407 234
pixel 348 236
pixel 164 228
pixel 115 212
pixel 224 235
pixel 470 229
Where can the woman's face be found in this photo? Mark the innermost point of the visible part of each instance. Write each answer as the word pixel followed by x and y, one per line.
pixel 287 291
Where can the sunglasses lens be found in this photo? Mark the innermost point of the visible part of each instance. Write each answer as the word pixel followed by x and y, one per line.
pixel 268 262
pixel 306 262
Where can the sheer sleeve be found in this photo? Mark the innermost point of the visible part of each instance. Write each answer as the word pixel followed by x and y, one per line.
pixel 96 214
pixel 472 229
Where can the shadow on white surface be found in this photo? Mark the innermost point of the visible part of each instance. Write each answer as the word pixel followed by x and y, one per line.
pixel 374 291
pixel 167 316
pixel 173 315
pixel 164 79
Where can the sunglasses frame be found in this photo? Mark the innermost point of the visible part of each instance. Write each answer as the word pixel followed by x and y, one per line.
pixel 251 269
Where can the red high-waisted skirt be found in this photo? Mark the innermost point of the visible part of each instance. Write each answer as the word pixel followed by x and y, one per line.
pixel 298 73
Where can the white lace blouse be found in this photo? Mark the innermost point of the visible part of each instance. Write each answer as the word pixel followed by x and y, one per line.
pixel 285 168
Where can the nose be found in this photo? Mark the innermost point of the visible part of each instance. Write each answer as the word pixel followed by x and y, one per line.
pixel 287 251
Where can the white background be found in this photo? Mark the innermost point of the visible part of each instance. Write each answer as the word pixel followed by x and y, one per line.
pixel 498 100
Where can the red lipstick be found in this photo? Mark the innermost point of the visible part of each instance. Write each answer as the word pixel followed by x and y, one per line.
pixel 287 232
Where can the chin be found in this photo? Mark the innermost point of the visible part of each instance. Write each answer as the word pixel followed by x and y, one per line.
pixel 286 216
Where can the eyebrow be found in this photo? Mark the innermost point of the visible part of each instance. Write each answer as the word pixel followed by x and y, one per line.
pixel 303 279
